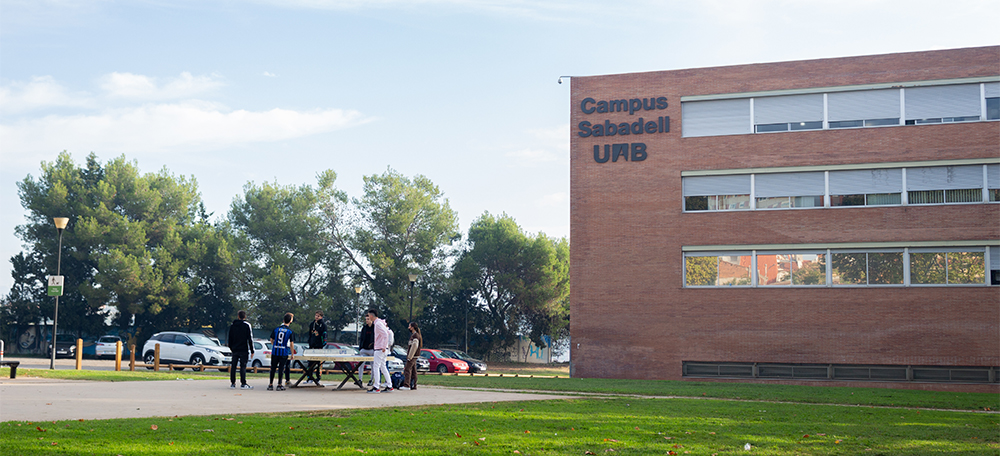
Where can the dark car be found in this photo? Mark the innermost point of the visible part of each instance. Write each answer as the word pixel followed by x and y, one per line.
pixel 423 364
pixel 65 346
pixel 476 366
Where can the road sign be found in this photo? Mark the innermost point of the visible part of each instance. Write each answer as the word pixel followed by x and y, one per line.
pixel 55 285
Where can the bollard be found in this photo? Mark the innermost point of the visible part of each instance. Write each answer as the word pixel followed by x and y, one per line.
pixel 79 354
pixel 131 358
pixel 118 356
pixel 156 358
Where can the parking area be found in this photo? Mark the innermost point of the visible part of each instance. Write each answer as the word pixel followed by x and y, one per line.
pixel 37 399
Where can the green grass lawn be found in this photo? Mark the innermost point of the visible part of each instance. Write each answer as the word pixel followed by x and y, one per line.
pixel 556 427
pixel 773 419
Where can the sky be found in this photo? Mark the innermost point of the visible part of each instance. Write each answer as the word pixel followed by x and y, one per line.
pixel 464 92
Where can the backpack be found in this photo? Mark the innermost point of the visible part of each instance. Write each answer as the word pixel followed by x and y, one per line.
pixel 397 380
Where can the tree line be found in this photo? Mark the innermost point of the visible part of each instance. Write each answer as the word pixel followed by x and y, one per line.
pixel 142 255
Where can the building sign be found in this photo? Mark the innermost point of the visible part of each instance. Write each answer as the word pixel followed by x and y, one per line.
pixel 628 151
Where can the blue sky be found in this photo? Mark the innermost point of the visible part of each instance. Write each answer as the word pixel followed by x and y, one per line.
pixel 461 91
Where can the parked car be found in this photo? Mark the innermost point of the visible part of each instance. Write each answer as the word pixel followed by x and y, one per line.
pixel 261 353
pixel 423 364
pixel 439 362
pixel 186 348
pixel 106 345
pixel 65 346
pixel 476 366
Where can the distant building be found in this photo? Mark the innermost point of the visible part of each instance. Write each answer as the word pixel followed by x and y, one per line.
pixel 833 220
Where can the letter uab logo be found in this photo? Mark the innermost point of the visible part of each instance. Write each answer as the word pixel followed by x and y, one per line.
pixel 629 152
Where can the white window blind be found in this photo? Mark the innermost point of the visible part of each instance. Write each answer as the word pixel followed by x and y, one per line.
pixel 866 181
pixel 736 184
pixel 715 117
pixel 942 101
pixel 788 108
pixel 944 177
pixel 861 105
pixel 992 176
pixel 992 89
pixel 994 258
pixel 790 184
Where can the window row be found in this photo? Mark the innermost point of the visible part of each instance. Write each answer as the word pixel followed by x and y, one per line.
pixel 861 267
pixel 846 109
pixel 854 187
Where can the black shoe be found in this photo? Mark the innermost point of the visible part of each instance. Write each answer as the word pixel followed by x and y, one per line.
pixel 281 388
pixel 270 387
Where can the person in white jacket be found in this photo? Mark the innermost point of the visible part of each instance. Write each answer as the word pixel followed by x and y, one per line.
pixel 382 346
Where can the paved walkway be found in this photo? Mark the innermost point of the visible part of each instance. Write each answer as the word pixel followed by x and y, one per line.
pixel 38 399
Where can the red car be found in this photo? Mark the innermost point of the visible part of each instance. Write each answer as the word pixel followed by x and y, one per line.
pixel 442 364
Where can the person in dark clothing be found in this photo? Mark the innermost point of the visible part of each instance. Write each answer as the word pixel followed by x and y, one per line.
pixel 366 345
pixel 241 343
pixel 282 351
pixel 415 344
pixel 317 339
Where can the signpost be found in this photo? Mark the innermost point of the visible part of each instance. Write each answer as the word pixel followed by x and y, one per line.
pixel 55 287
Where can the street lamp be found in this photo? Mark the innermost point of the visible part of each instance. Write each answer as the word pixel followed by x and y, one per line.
pixel 357 304
pixel 413 279
pixel 61 223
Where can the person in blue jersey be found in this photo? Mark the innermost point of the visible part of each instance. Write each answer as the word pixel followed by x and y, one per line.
pixel 282 350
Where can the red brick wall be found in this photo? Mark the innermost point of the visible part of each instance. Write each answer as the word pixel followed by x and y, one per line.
pixel 631 316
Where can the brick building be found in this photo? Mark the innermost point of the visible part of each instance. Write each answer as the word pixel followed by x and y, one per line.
pixel 833 220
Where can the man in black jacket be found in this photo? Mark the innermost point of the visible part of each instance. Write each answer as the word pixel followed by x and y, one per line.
pixel 317 339
pixel 241 343
pixel 366 344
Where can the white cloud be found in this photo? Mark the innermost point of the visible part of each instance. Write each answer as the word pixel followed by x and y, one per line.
pixel 140 87
pixel 548 145
pixel 558 200
pixel 188 126
pixel 39 93
pixel 269 74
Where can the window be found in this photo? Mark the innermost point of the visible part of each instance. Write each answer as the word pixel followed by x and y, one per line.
pixel 715 117
pixel 732 269
pixel 992 90
pixel 867 268
pixel 993 183
pixel 869 187
pixel 867 108
pixel 788 113
pixel 787 190
pixel 945 184
pixel 713 193
pixel 947 267
pixel 791 268
pixel 864 267
pixel 938 104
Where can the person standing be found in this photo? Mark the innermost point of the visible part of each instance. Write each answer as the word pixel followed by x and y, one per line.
pixel 366 347
pixel 282 350
pixel 381 345
pixel 241 344
pixel 412 352
pixel 317 339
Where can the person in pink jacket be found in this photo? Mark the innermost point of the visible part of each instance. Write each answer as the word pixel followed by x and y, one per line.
pixel 382 346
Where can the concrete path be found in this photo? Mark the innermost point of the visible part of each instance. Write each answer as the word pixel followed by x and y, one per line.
pixel 37 399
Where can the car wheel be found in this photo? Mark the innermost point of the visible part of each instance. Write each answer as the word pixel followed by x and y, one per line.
pixel 442 368
pixel 197 360
pixel 148 358
pixel 257 363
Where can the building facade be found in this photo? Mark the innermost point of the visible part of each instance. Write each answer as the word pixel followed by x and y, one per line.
pixel 833 220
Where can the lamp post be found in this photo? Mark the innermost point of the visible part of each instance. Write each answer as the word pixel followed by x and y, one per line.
pixel 61 223
pixel 413 279
pixel 357 326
